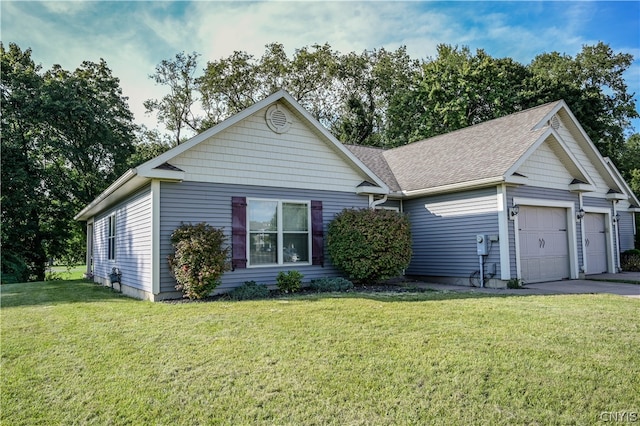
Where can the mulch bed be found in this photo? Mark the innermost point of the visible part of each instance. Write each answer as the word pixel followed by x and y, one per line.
pixel 392 286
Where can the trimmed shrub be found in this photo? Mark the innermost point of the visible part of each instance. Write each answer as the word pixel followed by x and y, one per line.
pixel 248 291
pixel 370 245
pixel 331 284
pixel 199 260
pixel 289 281
pixel 630 260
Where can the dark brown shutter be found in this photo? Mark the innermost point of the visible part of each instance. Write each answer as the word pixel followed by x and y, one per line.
pixel 238 232
pixel 317 243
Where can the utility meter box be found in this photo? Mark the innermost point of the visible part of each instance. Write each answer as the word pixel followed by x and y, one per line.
pixel 482 244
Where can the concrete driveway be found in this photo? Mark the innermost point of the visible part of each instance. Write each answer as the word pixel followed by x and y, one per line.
pixel 623 284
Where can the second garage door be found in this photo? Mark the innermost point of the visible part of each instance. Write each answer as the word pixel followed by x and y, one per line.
pixel 595 243
pixel 544 245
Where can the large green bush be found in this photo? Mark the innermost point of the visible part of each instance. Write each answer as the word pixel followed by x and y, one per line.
pixel 370 245
pixel 199 260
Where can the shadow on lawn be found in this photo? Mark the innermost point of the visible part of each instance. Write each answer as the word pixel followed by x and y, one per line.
pixel 54 292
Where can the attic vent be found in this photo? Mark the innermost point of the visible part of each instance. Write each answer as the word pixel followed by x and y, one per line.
pixel 554 122
pixel 278 119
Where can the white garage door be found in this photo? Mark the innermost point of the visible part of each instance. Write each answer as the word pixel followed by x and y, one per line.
pixel 595 243
pixel 544 245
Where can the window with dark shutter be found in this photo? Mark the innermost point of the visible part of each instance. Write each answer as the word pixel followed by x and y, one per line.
pixel 317 242
pixel 238 232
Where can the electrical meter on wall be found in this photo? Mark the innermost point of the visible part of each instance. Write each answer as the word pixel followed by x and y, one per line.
pixel 482 245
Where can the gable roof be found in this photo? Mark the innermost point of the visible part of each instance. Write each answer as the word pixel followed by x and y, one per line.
pixel 160 167
pixel 481 153
pixel 486 154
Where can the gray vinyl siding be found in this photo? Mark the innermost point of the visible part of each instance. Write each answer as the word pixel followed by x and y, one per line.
pixel 596 202
pixel 133 241
pixel 197 202
pixel 543 194
pixel 444 245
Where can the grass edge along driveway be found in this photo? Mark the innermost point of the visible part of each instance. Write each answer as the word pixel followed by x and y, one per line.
pixel 76 353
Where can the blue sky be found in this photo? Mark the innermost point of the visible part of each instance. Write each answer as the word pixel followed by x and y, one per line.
pixel 134 36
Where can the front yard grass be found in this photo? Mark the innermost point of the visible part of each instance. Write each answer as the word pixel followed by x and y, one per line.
pixel 76 353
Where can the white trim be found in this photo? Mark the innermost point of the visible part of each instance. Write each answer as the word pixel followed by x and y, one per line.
pixel 163 174
pixel 280 233
pixel 155 236
pixel 476 184
pixel 608 226
pixel 571 230
pixel 583 267
pixel 615 196
pixel 503 232
pixel 112 236
pixel 581 187
pixel 126 177
pixel 617 239
pixel 621 181
pixel 89 246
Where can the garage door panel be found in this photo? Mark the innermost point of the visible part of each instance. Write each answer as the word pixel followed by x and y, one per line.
pixel 595 243
pixel 544 245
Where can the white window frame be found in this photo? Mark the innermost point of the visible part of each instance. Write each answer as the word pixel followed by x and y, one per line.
pixel 280 233
pixel 112 231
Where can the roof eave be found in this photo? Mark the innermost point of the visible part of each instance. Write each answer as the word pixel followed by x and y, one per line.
pixel 468 185
pixel 92 208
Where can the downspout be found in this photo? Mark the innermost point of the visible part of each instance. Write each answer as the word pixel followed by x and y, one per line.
pixel 617 235
pixel 583 267
pixel 374 203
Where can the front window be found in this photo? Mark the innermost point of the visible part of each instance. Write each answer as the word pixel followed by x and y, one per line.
pixel 111 238
pixel 278 232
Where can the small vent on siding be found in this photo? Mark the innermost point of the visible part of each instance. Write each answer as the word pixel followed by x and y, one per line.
pixel 278 119
pixel 554 122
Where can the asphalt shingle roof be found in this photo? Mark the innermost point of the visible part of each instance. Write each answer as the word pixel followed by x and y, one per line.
pixel 482 151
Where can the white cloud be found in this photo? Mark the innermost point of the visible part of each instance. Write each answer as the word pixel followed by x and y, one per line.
pixel 133 37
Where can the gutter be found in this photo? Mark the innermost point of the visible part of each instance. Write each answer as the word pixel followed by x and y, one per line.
pixel 456 186
pixel 126 177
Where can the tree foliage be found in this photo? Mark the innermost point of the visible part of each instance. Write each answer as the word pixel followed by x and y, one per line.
pixel 66 135
pixel 593 86
pixel 385 98
pixel 455 90
pixel 349 94
pixel 175 109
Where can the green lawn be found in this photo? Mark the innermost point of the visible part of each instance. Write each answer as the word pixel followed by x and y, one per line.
pixel 77 353
pixel 66 272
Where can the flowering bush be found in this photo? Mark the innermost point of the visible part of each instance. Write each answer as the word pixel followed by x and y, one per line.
pixel 199 260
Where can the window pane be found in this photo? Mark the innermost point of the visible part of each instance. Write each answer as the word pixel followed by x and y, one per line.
pixel 296 247
pixel 263 215
pixel 294 217
pixel 263 248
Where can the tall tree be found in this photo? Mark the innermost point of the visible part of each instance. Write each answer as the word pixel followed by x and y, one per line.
pixel 368 83
pixel 175 110
pixel 456 89
pixel 70 134
pixel 593 86
pixel 23 195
